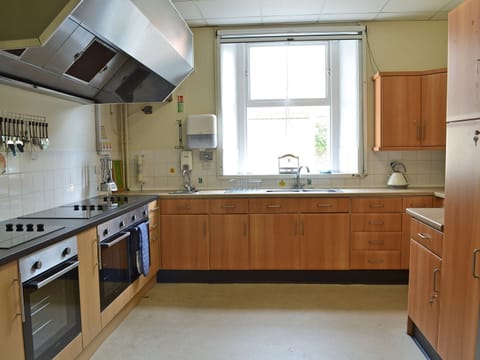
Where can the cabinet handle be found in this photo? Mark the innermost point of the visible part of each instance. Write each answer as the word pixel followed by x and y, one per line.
pixel 423 236
pixel 274 206
pixel 95 255
pixel 375 261
pixel 372 222
pixel 376 242
pixel 186 207
pixel 376 205
pixel 22 302
pixel 422 132
pixel 228 206
pixel 419 131
pixel 474 272
pixel 435 272
pixel 324 205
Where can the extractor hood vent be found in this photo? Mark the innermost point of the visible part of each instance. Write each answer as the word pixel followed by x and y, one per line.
pixel 115 51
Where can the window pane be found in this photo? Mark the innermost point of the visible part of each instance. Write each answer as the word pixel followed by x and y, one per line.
pixel 275 131
pixel 289 71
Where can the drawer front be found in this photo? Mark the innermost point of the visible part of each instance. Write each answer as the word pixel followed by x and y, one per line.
pixel 375 259
pixel 417 202
pixel 229 206
pixel 427 236
pixel 376 240
pixel 324 205
pixel 377 205
pixel 184 206
pixel 273 205
pixel 376 222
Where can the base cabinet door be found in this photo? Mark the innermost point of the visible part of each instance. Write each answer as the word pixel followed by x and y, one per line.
pixel 229 245
pixel 424 291
pixel 10 310
pixel 324 241
pixel 274 241
pixel 184 242
pixel 89 285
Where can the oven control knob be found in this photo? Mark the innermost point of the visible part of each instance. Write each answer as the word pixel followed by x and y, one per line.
pixel 144 213
pixel 134 217
pixel 37 265
pixel 105 232
pixel 121 224
pixel 67 251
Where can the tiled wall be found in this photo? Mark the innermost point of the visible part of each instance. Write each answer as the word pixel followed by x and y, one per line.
pixel 65 172
pixel 161 170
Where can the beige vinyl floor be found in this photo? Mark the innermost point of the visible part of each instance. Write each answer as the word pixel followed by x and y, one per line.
pixel 265 322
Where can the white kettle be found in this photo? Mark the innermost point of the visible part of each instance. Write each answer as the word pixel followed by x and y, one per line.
pixel 397 179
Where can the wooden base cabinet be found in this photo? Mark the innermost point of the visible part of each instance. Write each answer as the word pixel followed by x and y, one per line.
pixel 274 241
pixel 11 331
pixel 424 291
pixel 324 241
pixel 89 284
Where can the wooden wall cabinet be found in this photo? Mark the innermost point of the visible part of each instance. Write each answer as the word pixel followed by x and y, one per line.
pixel 11 331
pixel 464 62
pixel 410 110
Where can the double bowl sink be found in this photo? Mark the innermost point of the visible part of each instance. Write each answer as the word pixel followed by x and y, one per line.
pixel 261 191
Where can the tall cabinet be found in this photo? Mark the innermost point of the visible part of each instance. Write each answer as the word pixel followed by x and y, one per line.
pixel 459 308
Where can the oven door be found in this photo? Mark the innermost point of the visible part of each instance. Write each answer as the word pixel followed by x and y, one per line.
pixel 52 310
pixel 114 267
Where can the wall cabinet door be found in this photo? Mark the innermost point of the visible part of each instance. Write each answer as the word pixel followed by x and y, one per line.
pixel 89 284
pixel 464 61
pixel 274 241
pixel 424 291
pixel 10 310
pixel 185 242
pixel 325 241
pixel 229 245
pixel 410 110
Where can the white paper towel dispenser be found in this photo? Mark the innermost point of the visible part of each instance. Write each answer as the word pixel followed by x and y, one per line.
pixel 201 131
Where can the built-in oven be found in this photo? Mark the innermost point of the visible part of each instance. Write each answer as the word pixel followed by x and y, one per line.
pixel 51 300
pixel 119 253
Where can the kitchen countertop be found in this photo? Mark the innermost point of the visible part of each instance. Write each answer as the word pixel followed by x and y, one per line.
pixel 71 228
pixel 433 217
pixel 345 192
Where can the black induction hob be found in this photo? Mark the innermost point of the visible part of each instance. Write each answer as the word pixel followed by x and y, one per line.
pixel 13 234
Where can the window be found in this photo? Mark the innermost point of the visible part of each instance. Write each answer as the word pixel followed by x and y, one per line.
pixel 297 94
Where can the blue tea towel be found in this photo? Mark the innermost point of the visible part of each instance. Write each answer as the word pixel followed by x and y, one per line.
pixel 144 247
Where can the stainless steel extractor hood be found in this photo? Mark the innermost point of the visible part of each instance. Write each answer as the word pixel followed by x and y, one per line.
pixel 115 51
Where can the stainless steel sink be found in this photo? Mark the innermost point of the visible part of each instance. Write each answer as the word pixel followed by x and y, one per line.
pixel 304 190
pixel 183 192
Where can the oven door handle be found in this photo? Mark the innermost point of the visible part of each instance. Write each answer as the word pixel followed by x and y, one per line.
pixel 116 241
pixel 39 284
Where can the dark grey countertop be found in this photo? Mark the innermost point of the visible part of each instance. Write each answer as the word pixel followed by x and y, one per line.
pixel 72 227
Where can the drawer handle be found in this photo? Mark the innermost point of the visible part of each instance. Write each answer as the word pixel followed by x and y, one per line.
pixel 474 271
pixel 228 206
pixel 186 207
pixel 423 236
pixel 380 222
pixel 377 205
pixel 376 242
pixel 273 206
pixel 324 205
pixel 375 261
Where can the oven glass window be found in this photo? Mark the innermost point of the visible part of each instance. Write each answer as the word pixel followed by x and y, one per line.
pixel 52 316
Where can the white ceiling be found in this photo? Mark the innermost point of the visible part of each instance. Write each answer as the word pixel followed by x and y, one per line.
pixel 242 12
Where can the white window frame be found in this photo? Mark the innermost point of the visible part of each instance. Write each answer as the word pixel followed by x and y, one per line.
pixel 288 34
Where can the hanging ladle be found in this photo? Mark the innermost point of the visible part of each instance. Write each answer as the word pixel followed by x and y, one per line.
pixel 10 142
pixel 18 137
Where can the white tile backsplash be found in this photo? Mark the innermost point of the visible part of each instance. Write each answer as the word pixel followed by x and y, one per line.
pixel 424 168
